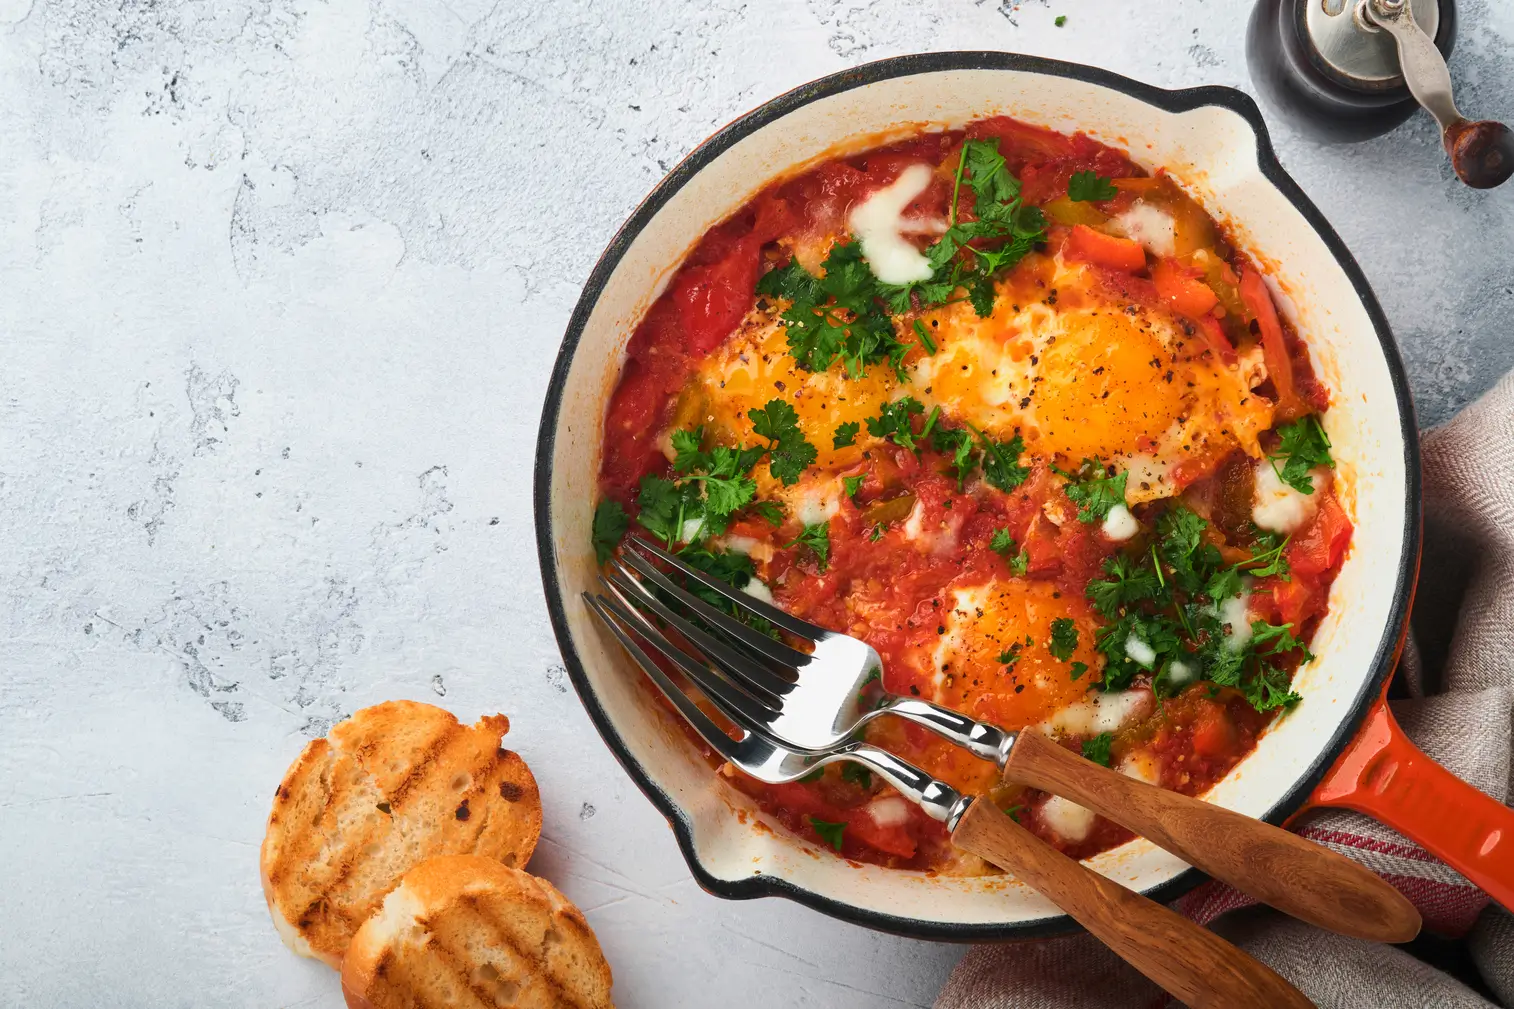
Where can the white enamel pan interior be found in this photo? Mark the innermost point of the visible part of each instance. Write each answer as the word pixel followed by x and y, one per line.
pixel 1213 140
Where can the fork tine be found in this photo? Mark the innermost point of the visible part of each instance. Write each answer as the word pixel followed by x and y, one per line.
pixel 724 622
pixel 701 723
pixel 763 682
pixel 772 614
pixel 740 706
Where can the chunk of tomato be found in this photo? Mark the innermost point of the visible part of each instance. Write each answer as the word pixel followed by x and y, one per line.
pixel 1213 736
pixel 1322 544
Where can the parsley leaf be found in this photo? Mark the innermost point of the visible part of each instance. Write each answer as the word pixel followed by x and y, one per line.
pixel 1003 542
pixel 1064 638
pixel 1078 669
pixel 728 566
pixel 789 455
pixel 1127 582
pixel 853 484
pixel 894 423
pixel 846 434
pixel 818 538
pixel 1019 563
pixel 1304 446
pixel 1001 461
pixel 828 831
pixel 1090 186
pixel 959 442
pixel 1060 20
pixel 837 317
pixel 661 508
pixel 1011 655
pixel 1267 556
pixel 1093 490
pixel 1097 748
pixel 610 525
pixel 857 774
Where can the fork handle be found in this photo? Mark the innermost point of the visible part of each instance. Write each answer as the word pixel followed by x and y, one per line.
pixel 1277 867
pixel 979 738
pixel 1192 963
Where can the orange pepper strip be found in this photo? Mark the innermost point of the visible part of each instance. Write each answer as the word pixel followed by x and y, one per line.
pixel 1182 290
pixel 1105 250
pixel 1274 350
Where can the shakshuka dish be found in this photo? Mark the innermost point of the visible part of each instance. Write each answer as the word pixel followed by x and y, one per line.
pixel 1022 416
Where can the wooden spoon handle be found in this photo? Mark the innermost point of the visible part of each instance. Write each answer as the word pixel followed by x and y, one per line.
pixel 1192 963
pixel 1294 875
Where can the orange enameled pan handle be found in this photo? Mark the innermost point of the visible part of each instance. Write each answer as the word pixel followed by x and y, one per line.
pixel 1384 775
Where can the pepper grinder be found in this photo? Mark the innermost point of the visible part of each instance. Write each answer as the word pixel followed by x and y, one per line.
pixel 1347 70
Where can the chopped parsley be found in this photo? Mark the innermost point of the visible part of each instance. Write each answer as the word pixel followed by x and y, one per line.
pixel 846 434
pixel 853 483
pixel 837 317
pixel 707 490
pixel 1090 186
pixel 818 538
pixel 1005 230
pixel 1002 542
pixel 827 831
pixel 1011 655
pixel 1304 446
pixel 857 774
pixel 1001 461
pixel 1078 669
pixel 1097 748
pixel 610 525
pixel 728 566
pixel 894 422
pixel 1013 812
pixel 788 453
pixel 1163 604
pixel 926 343
pixel 1064 638
pixel 1093 490
pixel 1060 20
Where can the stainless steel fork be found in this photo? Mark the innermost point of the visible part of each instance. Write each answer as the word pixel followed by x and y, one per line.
pixel 812 702
pixel 1192 963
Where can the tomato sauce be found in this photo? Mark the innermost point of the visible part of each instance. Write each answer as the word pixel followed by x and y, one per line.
pixel 911 541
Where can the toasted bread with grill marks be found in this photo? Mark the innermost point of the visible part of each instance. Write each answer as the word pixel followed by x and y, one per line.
pixel 388 788
pixel 469 933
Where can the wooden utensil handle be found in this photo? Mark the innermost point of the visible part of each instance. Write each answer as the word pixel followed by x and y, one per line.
pixel 1294 875
pixel 1191 963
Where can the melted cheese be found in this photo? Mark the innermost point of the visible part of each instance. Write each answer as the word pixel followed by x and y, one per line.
pixel 1278 507
pixel 1119 525
pixel 1234 613
pixel 1141 766
pixel 888 812
pixel 1068 820
pixel 758 590
pixel 880 226
pixel 1151 226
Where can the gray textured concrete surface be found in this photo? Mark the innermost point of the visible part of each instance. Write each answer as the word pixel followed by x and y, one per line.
pixel 280 285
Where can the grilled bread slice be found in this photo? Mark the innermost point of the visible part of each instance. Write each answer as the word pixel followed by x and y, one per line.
pixel 389 787
pixel 467 932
